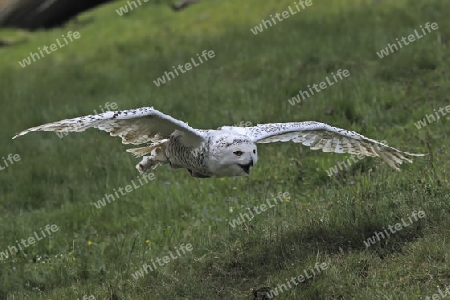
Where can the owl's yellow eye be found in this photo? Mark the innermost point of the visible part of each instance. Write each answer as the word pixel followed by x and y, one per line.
pixel 238 153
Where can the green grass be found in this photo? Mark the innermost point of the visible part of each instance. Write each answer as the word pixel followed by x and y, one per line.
pixel 250 79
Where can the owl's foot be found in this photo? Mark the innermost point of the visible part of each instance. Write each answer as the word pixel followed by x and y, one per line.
pixel 148 163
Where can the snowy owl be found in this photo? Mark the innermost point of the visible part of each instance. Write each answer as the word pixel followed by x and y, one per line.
pixel 227 151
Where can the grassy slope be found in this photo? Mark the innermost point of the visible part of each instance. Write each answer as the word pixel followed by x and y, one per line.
pixel 250 79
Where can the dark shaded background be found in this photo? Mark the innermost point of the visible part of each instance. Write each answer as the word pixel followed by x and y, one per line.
pixel 31 14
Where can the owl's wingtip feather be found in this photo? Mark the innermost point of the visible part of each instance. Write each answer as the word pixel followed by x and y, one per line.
pixel 19 134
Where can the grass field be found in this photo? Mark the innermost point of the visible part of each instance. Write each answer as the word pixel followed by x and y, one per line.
pixel 94 253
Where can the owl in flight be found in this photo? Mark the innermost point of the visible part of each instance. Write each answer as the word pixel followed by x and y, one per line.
pixel 227 151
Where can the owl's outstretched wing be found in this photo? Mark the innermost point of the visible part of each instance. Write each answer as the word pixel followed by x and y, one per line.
pixel 134 126
pixel 328 138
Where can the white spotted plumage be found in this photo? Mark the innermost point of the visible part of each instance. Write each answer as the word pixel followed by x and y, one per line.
pixel 227 151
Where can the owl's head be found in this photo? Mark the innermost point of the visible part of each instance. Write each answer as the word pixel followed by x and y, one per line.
pixel 232 155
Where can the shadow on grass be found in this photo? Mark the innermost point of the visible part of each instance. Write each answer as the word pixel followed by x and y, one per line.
pixel 260 258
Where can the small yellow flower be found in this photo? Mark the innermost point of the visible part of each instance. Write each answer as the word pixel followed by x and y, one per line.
pixel 222 178
pixel 89 243
pixel 147 241
pixel 287 200
pixel 231 209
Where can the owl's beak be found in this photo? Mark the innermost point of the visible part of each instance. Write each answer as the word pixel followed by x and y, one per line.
pixel 246 167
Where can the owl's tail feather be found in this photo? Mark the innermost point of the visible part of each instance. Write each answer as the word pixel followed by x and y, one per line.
pixel 141 151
